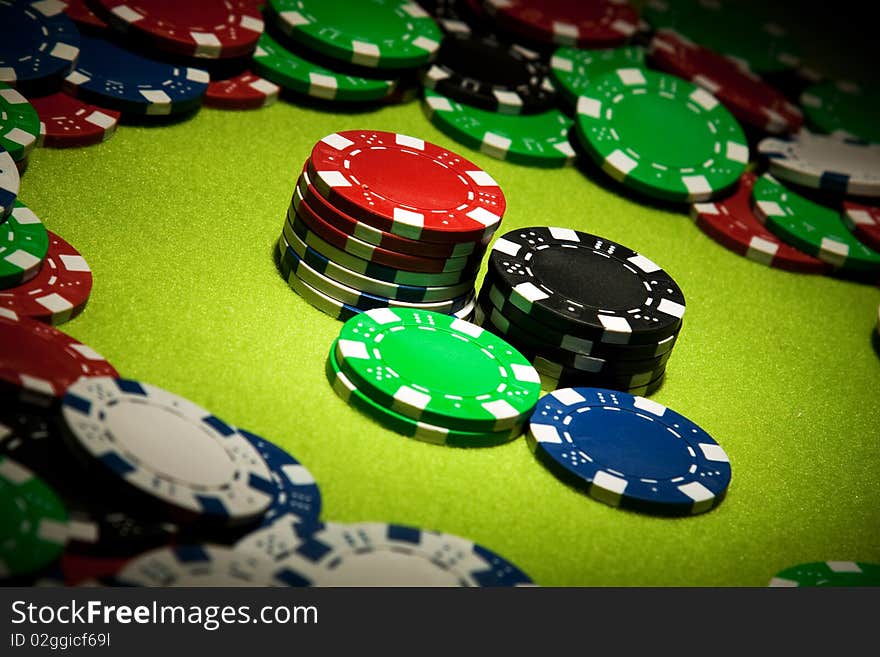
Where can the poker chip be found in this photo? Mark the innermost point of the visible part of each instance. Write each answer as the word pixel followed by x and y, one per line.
pixel 628 451
pixel 69 122
pixel 42 360
pixel 38 43
pixel 601 23
pixel 79 12
pixel 747 97
pixel 399 423
pixel 297 493
pixel 411 360
pixel 294 227
pixel 406 186
pixel 832 163
pixel 33 521
pixel 79 568
pixel 376 254
pixel 484 72
pixel 119 79
pixel 392 34
pixel 661 135
pixel 732 223
pixel 23 246
pixel 292 71
pixel 376 287
pixel 588 285
pixel 568 377
pixel 843 107
pixel 810 227
pixel 727 28
pixel 241 92
pixel 175 452
pixel 202 565
pixel 829 573
pixel 532 139
pixel 293 265
pixel 19 123
pixel 197 28
pixel 508 317
pixel 573 69
pixel 864 222
pixel 9 183
pixel 378 554
pixel 60 289
pixel 457 16
pixel 367 233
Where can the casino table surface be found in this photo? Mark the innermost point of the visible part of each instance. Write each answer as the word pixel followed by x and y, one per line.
pixel 178 223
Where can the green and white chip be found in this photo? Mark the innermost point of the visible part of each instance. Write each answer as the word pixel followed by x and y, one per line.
pixel 829 573
pixel 574 69
pixel 19 123
pixel 23 246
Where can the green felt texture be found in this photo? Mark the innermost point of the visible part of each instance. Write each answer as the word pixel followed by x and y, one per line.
pixel 178 224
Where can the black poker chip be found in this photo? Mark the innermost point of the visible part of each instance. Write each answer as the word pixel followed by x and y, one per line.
pixel 491 74
pixel 586 285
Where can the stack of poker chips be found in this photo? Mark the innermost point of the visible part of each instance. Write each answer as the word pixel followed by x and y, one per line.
pixel 586 312
pixel 379 219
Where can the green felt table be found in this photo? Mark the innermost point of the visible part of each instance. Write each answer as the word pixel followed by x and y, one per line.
pixel 179 222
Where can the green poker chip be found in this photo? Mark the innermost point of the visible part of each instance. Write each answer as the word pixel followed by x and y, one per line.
pixel 539 140
pixel 574 69
pixel 829 573
pixel 23 246
pixel 437 369
pixel 843 107
pixel 33 521
pixel 728 28
pixel 401 424
pixel 19 123
pixel 392 34
pixel 810 227
pixel 276 63
pixel 661 135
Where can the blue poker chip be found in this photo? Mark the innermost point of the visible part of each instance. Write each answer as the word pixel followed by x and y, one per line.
pixel 629 451
pixel 39 44
pixel 9 183
pixel 298 493
pixel 376 554
pixel 116 78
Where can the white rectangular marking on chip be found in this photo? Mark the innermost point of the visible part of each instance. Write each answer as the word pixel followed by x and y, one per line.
pixel 435 74
pixel 322 86
pixel 621 162
pixel 701 495
pixel 649 406
pixel 252 24
pixel 481 178
pixel 52 531
pixel 737 152
pixel 495 145
pixel 860 217
pixel 127 14
pixel 645 264
pixel 568 396
pixel 771 209
pixel 383 316
pixel 567 234
pixel 54 303
pixel 354 349
pixel 25 215
pixel 333 179
pixel 696 185
pixel 82 531
pixel 49 7
pixel 466 327
pixel 500 409
pixel 409 218
pixel 294 18
pixel 101 120
pixel 670 307
pixel 22 259
pixel 589 107
pixel 159 101
pixel 566 149
pixel 779 582
pixel 198 75
pixel 623 27
pixel 617 327
pixel 20 137
pixel 565 33
pixel 631 76
pixel 483 216
pixel 366 54
pixel 412 397
pixel 714 453
pixel 410 142
pixel 525 373
pixel 705 208
pixel 426 44
pixel 530 292
pixel 298 475
pixel 704 99
pixel 843 566
pixel 762 250
pixel 833 251
pixel 439 104
pixel 207 42
pixel 14 472
pixel 545 433
pixel 561 64
pixel 38 385
pixel 509 101
pixel 608 488
pixel 337 142
pixel 707 83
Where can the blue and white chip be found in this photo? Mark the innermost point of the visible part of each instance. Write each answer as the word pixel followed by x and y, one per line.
pixel 628 451
pixel 377 554
pixel 175 452
pixel 298 493
pixel 39 44
pixel 113 77
pixel 9 183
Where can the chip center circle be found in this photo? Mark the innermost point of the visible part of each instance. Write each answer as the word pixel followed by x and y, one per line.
pixel 444 363
pixel 576 273
pixel 664 129
pixel 169 444
pixel 631 445
pixel 410 179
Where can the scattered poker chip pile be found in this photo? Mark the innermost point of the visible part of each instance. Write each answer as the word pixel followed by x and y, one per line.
pixel 380 219
pixel 584 310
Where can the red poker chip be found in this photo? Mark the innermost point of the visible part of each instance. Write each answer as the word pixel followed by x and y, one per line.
pixel 746 96
pixel 58 292
pixel 373 253
pixel 69 122
pixel 585 23
pixel 42 361
pixel 243 92
pixel 208 29
pixel 78 568
pixel 732 223
pixel 406 186
pixel 351 226
pixel 864 222
pixel 79 12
